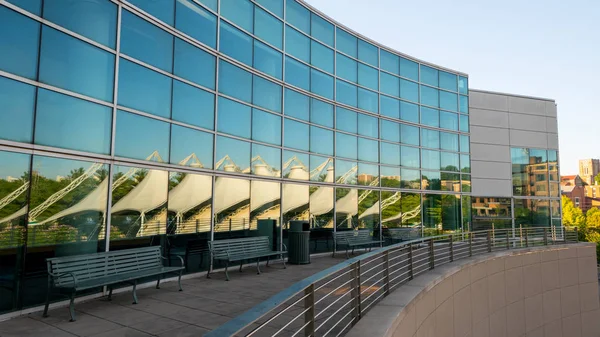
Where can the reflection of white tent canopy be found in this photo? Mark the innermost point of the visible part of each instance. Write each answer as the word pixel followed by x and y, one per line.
pixel 149 194
pixel 321 201
pixel 192 191
pixel 373 210
pixel 229 191
pixel 263 192
pixel 95 201
pixel 348 204
pixel 295 195
pixel 15 215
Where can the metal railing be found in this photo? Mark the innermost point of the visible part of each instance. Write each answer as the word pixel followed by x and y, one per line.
pixel 330 302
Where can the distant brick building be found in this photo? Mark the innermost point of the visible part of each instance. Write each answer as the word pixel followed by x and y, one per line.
pixel 588 169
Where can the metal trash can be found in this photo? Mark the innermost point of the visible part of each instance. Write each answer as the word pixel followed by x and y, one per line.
pixel 298 242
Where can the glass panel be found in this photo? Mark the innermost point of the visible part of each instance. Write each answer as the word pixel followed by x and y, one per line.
pixel 464 104
pixel 321 169
pixel 409 90
pixel 235 43
pixel 297 74
pixel 14 183
pixel 16 110
pixel 448 101
pixel 266 94
pixel 368 53
pixel 72 64
pixel 429 96
pixel 234 118
pixel 297 15
pixel 430 117
pixel 409 69
pixel 322 30
pixel 448 120
pixel 240 12
pixel 268 28
pixel 410 156
pixel 410 179
pixel 368 126
pixel 466 212
pixel 275 6
pixel 295 135
pixel 33 6
pixel 296 104
pixel 532 213
pixel 19 48
pixel 143 89
pixel 76 16
pixel 191 147
pixel 463 85
pixel 265 206
pixel 346 43
pixel 465 163
pixel 346 120
pixel 146 42
pixel 193 106
pixel 520 171
pixel 466 183
pixel 232 155
pixel 189 216
pixel 411 208
pixel 194 64
pixel 321 56
pixel 448 81
pixel 235 82
pixel 72 123
pixel 390 84
pixel 368 77
pixel 464 123
pixel 555 204
pixel 390 153
pixel 368 212
pixel 389 62
pixel 431 180
pixel 390 176
pixel 391 210
pixel 321 113
pixel 321 141
pixel 368 150
pixel 295 205
pixel 409 112
pixel 266 127
pixel 294 166
pixel 162 10
pixel 346 172
pixel 141 137
pixel 409 134
pixel 389 107
pixel 346 93
pixel 346 146
pixel 346 68
pixel 390 131
pixel 553 165
pixel 297 44
pixel 449 161
pixel 464 143
pixel 196 22
pixel 538 172
pixel 212 4
pixel 321 84
pixel 449 141
pixel 266 161
pixel 491 207
pixel 430 138
pixel 430 159
pixel 429 75
pixel 231 208
pixel 367 100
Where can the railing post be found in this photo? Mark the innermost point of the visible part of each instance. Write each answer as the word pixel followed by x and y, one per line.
pixel 545 236
pixel 431 255
pixel 451 248
pixel 355 292
pixel 470 244
pixel 410 261
pixel 576 235
pixel 507 240
pixel 526 238
pixel 358 289
pixel 489 242
pixel 309 315
pixel 387 272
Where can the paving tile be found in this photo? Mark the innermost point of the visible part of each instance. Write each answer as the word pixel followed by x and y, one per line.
pixel 185 331
pixel 158 325
pixel 123 332
pixel 26 326
pixel 85 324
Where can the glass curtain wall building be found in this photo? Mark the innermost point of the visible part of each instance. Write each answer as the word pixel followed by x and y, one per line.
pixel 136 123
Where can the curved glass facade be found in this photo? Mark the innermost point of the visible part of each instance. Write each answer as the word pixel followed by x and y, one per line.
pixel 130 123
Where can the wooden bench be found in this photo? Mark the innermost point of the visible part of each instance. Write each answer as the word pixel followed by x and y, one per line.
pixel 402 234
pixel 80 272
pixel 353 239
pixel 233 250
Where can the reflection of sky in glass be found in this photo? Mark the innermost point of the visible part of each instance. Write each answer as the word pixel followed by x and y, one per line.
pixel 321 141
pixel 192 105
pixel 185 141
pixel 14 164
pixel 55 168
pixel 234 118
pixel 271 155
pixel 137 136
pixel 390 153
pixel 368 150
pixel 16 114
pixel 146 42
pixel 296 135
pixel 194 64
pixel 346 120
pixel 367 126
pixel 321 113
pixel 237 150
pixel 296 104
pixel 345 145
pixel 19 48
pixel 390 131
pixel 266 127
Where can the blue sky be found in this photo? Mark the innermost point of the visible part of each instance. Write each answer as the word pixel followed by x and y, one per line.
pixel 542 48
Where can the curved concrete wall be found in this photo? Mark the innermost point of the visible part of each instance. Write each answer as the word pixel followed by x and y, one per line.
pixel 541 292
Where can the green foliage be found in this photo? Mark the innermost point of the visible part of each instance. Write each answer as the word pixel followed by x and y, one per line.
pixel 597 179
pixel 592 218
pixel 572 216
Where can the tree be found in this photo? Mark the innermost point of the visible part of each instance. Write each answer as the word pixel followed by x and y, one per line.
pixel 597 179
pixel 592 218
pixel 572 216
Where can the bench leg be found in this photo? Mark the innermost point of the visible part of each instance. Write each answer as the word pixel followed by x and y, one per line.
pixel 135 299
pixel 347 256
pixel 283 261
pixel 241 264
pixel 158 282
pixel 179 280
pixel 72 307
pixel 267 261
pixel 109 293
pixel 226 273
pixel 257 266
pixel 45 314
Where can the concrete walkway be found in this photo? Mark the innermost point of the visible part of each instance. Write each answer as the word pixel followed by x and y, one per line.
pixel 203 305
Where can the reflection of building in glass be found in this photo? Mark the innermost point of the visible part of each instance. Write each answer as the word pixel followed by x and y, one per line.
pixel 588 169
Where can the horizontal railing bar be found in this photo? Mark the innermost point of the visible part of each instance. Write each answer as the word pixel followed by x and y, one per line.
pixel 397 263
pixel 341 319
pixel 371 286
pixel 279 313
pixel 291 321
pixel 332 303
pixel 333 315
pixel 301 328
pixel 334 290
pixel 368 270
pixel 344 328
pixel 369 279
pixel 323 285
pixel 372 302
